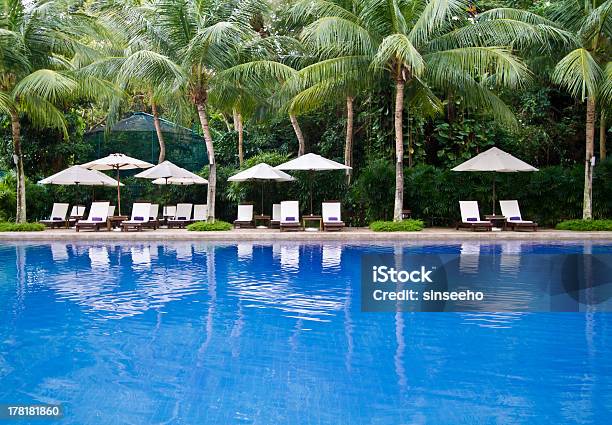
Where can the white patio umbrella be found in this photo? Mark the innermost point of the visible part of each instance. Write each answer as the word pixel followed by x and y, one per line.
pixel 312 162
pixel 264 173
pixel 165 170
pixel 79 176
pixel 117 161
pixel 180 181
pixel 495 160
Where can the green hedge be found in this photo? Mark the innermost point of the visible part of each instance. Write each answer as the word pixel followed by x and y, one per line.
pixel 204 226
pixel 21 227
pixel 585 225
pixel 397 226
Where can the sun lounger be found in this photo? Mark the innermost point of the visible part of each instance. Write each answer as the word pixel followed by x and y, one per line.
pixel 111 210
pixel 245 216
pixel 58 216
pixel 153 220
pixel 140 216
pixel 182 217
pixel 76 213
pixel 168 212
pixel 276 215
pixel 470 217
pixel 514 220
pixel 331 215
pixel 98 214
pixel 200 212
pixel 290 216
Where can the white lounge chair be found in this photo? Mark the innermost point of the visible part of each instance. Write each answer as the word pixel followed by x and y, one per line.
pixel 140 216
pixel 111 211
pixel 276 215
pixel 470 217
pixel 245 216
pixel 76 213
pixel 182 217
pixel 331 215
pixel 290 216
pixel 200 212
pixel 58 216
pixel 98 214
pixel 512 212
pixel 153 220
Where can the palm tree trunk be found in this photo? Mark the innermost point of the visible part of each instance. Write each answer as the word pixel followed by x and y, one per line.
pixel 603 129
pixel 399 150
pixel 158 131
pixel 240 140
pixel 298 134
pixel 21 190
pixel 212 176
pixel 348 146
pixel 587 204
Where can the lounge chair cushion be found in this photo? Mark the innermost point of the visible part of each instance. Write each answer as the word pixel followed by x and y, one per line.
pixel 96 219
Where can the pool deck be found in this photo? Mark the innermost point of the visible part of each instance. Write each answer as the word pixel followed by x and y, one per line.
pixel 347 235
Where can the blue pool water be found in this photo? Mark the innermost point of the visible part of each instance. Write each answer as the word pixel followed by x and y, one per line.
pixel 183 333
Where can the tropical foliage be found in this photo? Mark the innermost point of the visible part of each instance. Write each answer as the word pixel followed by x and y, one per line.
pixel 400 90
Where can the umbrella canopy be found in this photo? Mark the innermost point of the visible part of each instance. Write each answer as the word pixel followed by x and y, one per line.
pixel 312 162
pixel 117 161
pixel 77 175
pixel 261 172
pixel 165 170
pixel 495 160
pixel 181 180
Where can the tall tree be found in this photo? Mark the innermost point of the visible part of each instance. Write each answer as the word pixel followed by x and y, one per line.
pixel 38 40
pixel 586 73
pixel 422 44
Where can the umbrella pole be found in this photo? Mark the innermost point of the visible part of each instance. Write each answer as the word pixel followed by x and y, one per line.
pixel 311 182
pixel 494 178
pixel 118 192
pixel 262 192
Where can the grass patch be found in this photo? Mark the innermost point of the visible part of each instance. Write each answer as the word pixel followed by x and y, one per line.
pixel 585 225
pixel 205 226
pixel 21 227
pixel 409 225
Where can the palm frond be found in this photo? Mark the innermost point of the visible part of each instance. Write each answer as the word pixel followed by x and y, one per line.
pixel 151 68
pixel 46 84
pixel 578 73
pixel 397 48
pixel 305 11
pixel 435 14
pixel 339 36
pixel 42 113
pixel 509 71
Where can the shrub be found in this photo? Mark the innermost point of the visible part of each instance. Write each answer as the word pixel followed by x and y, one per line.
pixel 397 226
pixel 21 227
pixel 205 226
pixel 585 225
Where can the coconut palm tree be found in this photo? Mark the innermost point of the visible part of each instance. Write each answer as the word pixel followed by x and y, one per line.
pixel 425 44
pixel 586 73
pixel 38 41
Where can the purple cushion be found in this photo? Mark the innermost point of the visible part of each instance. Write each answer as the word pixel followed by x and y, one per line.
pixel 96 219
pixel 138 218
pixel 471 219
pixel 332 218
pixel 289 218
pixel 515 218
pixel 57 219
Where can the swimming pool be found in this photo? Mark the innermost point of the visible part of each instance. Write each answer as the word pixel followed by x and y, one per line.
pixel 191 333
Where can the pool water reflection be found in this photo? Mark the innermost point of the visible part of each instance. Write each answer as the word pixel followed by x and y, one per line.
pixel 273 334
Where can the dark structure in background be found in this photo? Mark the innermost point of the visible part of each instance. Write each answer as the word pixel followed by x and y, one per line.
pixel 135 136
